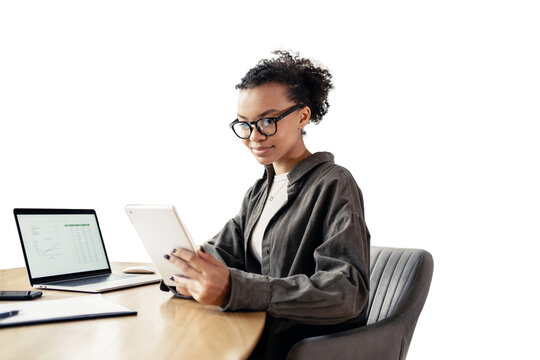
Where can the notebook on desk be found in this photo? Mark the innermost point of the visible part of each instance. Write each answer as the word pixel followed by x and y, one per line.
pixel 64 250
pixel 74 308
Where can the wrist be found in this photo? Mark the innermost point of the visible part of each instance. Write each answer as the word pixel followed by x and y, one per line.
pixel 227 292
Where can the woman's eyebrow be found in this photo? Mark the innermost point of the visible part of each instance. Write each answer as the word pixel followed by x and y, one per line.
pixel 263 114
pixel 268 112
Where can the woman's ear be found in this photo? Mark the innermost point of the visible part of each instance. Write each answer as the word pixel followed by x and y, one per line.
pixel 305 116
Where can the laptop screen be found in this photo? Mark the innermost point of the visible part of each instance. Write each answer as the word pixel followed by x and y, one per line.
pixel 56 244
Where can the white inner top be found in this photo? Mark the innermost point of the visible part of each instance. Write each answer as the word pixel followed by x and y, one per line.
pixel 274 201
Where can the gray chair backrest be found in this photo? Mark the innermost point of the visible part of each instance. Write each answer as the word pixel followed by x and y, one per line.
pixel 400 281
pixel 392 274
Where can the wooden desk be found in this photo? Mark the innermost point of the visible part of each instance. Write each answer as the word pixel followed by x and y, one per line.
pixel 164 328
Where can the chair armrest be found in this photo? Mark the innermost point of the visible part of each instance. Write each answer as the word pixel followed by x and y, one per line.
pixel 382 340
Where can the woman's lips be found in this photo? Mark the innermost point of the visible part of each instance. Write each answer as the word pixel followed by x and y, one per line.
pixel 261 150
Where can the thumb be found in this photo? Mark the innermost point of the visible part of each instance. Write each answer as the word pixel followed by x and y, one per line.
pixel 206 256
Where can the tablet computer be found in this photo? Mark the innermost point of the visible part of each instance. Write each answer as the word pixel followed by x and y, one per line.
pixel 160 230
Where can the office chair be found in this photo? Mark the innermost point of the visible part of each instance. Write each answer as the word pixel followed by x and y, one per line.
pixel 399 284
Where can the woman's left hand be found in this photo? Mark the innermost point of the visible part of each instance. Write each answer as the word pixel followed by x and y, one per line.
pixel 205 277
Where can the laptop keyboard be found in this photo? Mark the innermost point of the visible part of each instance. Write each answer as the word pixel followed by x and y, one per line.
pixel 93 280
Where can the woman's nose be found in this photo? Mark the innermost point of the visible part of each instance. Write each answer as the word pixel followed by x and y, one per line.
pixel 256 135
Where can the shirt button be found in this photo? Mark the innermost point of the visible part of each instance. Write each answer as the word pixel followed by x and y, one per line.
pixel 267 251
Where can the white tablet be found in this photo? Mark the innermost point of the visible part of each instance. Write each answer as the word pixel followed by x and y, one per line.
pixel 160 230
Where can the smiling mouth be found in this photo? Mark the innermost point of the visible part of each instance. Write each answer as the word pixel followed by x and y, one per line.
pixel 262 150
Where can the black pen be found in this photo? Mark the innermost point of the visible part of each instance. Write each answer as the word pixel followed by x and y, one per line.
pixel 8 314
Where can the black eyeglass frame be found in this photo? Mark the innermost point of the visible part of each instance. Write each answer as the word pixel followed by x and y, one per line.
pixel 252 124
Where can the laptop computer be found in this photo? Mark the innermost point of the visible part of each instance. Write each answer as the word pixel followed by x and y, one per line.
pixel 64 250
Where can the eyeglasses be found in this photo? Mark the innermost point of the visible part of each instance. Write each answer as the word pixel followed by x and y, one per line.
pixel 266 126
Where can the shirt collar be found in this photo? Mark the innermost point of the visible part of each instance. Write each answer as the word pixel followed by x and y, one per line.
pixel 303 166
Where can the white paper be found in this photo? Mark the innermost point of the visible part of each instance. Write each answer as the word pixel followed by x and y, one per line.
pixel 42 310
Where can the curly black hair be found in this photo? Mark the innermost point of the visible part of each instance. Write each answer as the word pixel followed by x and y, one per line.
pixel 307 83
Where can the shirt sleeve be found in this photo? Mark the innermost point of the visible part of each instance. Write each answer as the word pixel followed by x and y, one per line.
pixel 338 290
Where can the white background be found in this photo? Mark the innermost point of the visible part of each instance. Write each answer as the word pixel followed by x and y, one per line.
pixel 435 112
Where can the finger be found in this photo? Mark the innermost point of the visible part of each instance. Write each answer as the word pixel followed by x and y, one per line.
pixel 183 291
pixel 208 257
pixel 184 266
pixel 183 283
pixel 192 258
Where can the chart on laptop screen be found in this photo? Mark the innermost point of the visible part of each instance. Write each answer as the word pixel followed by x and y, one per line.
pixel 58 244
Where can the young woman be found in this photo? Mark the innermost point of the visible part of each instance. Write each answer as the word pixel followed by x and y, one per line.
pixel 299 247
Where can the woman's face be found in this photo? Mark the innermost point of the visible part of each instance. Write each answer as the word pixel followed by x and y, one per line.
pixel 270 100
